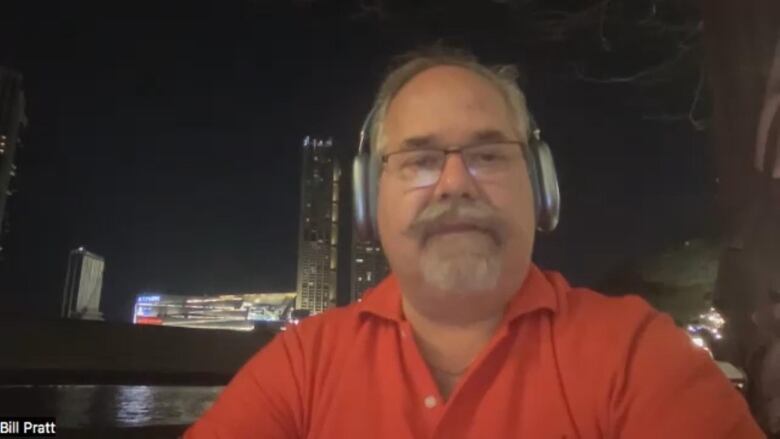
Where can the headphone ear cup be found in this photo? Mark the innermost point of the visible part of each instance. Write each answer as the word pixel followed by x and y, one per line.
pixel 532 163
pixel 361 205
pixel 374 170
pixel 548 196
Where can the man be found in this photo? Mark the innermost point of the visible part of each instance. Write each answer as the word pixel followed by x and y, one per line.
pixel 467 338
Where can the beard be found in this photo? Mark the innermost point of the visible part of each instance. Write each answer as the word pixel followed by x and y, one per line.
pixel 461 264
pixel 460 246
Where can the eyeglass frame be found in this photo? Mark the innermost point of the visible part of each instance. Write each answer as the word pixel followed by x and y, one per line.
pixel 523 146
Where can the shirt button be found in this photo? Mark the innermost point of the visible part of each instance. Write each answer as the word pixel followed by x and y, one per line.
pixel 403 334
pixel 430 401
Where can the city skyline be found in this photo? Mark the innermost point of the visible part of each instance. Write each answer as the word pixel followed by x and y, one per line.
pixel 317 277
pixel 183 171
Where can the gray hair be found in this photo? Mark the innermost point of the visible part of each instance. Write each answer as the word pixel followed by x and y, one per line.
pixel 503 77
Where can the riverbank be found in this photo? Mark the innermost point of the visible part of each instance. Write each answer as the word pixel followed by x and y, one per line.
pixel 89 352
pixel 156 432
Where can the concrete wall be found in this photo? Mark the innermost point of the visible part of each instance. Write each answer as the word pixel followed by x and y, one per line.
pixel 73 351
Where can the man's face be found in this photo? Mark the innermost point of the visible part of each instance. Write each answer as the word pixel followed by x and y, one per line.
pixel 462 233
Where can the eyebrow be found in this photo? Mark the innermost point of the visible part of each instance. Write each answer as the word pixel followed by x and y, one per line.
pixel 488 135
pixel 430 141
pixel 419 142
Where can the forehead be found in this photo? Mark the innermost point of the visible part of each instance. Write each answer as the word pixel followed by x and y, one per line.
pixel 446 102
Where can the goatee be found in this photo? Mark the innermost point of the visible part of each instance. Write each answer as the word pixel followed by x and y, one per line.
pixel 460 245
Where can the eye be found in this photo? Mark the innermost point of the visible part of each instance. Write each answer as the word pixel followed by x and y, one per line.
pixel 488 155
pixel 422 160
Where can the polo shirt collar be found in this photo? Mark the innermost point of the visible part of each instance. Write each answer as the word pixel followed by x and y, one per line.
pixel 536 293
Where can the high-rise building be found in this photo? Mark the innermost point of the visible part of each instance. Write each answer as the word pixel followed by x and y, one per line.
pixel 369 266
pixel 12 118
pixel 83 286
pixel 318 229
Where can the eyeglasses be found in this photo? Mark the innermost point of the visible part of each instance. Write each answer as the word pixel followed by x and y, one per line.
pixel 421 167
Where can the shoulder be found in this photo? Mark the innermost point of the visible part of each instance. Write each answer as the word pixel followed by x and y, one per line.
pixel 323 335
pixel 610 347
pixel 589 310
pixel 591 324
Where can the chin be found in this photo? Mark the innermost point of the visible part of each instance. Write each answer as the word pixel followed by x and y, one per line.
pixel 466 273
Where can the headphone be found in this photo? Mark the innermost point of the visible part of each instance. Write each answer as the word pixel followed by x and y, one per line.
pixel 541 170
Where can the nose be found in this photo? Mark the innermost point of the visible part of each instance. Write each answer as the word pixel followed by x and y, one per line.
pixel 455 180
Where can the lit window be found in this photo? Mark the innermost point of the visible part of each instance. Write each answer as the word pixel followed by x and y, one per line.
pixel 359 260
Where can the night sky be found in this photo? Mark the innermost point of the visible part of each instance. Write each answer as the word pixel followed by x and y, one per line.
pixel 167 139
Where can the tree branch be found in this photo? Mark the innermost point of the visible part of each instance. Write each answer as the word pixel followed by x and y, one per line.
pixel 555 25
pixel 699 124
pixel 690 116
pixel 651 71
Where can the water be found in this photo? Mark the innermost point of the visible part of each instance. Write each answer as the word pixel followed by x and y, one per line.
pixel 85 406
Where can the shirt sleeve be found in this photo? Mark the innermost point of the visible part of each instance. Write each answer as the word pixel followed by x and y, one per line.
pixel 673 389
pixel 264 399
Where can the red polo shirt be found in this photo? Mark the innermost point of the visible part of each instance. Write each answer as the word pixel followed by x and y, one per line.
pixel 565 363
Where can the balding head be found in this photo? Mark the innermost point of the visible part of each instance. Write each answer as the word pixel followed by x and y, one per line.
pixel 502 78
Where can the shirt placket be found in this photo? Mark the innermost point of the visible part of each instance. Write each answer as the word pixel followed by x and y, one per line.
pixel 426 392
pixel 441 430
pixel 433 404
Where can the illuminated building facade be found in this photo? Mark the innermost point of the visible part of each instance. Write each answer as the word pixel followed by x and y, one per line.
pixel 83 286
pixel 12 118
pixel 241 312
pixel 318 229
pixel 369 266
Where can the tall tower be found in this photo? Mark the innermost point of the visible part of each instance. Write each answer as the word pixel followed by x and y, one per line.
pixel 11 119
pixel 83 285
pixel 369 266
pixel 318 229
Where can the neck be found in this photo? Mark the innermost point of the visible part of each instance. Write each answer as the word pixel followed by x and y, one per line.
pixel 449 346
pixel 450 336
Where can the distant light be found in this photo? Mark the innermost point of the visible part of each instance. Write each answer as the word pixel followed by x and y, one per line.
pixel 149 299
pixel 81 249
pixel 698 341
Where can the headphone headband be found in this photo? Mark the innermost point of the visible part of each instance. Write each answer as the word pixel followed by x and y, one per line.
pixel 364 134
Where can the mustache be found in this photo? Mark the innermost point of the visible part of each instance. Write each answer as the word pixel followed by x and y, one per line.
pixel 457 212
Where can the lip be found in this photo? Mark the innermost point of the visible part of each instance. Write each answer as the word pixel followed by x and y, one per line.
pixel 456 228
